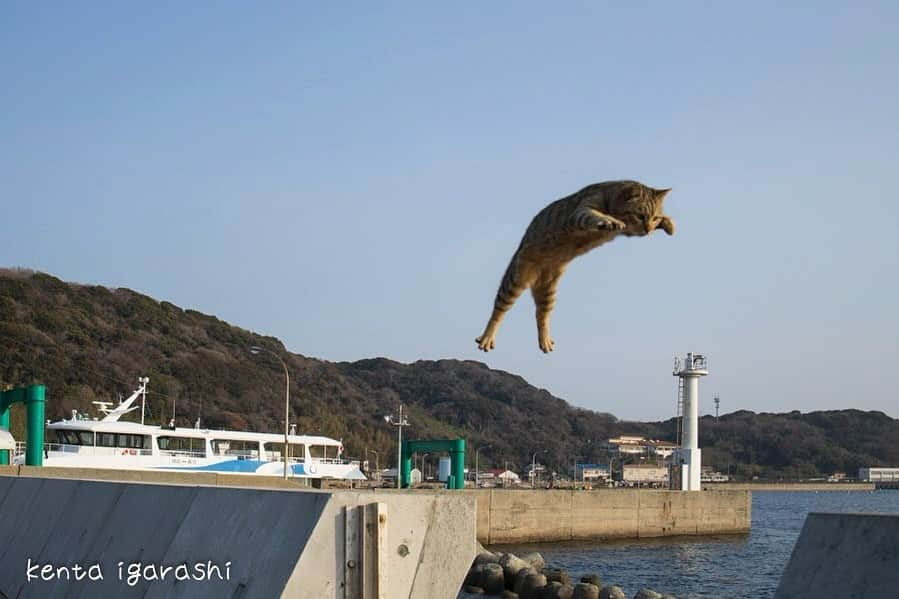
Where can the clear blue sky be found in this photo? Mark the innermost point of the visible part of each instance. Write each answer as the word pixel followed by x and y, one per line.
pixel 354 180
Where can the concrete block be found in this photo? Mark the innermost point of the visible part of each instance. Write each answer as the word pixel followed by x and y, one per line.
pixel 278 542
pixel 851 556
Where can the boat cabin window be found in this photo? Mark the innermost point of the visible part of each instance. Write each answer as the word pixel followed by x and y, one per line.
pixel 74 437
pixel 324 451
pixel 273 451
pixel 123 440
pixel 186 444
pixel 236 447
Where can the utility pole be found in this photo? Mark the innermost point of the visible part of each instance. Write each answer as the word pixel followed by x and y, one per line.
pixel 477 474
pixel 534 468
pixel 399 423
pixel 717 403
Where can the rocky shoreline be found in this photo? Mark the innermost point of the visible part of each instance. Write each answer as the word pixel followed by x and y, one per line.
pixel 509 576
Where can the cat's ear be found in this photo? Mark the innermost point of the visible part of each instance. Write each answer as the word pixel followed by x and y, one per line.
pixel 661 193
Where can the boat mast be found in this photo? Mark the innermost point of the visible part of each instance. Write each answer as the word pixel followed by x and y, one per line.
pixel 143 380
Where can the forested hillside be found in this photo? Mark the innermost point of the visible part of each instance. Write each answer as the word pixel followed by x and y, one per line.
pixel 87 343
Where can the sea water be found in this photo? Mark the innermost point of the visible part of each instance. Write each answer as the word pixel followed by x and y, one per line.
pixel 743 566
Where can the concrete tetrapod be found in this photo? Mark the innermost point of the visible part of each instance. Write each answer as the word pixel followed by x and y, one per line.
pixel 518 584
pixel 584 590
pixel 532 586
pixel 512 565
pixel 612 592
pixel 556 590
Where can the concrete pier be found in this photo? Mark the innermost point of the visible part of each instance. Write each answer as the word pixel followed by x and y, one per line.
pixel 523 516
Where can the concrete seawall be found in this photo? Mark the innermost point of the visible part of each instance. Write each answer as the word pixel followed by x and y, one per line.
pixel 524 516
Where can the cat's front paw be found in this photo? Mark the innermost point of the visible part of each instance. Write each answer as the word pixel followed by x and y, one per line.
pixel 667 225
pixel 612 224
pixel 485 342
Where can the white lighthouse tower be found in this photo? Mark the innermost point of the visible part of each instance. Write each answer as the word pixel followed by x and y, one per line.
pixel 688 454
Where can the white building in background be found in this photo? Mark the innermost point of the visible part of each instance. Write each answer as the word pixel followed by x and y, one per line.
pixel 644 474
pixel 711 476
pixel 592 472
pixel 508 477
pixel 640 446
pixel 625 445
pixel 878 475
pixel 661 449
pixel 415 476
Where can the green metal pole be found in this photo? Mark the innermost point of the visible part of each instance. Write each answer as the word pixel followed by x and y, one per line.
pixel 457 463
pixel 406 469
pixel 4 425
pixel 34 425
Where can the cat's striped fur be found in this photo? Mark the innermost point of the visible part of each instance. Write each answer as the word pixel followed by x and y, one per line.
pixel 564 230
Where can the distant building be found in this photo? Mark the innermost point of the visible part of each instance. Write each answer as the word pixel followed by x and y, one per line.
pixel 626 445
pixel 712 476
pixel 509 476
pixel 499 477
pixel 538 470
pixel 639 446
pixel 878 475
pixel 499 473
pixel 592 472
pixel 644 474
pixel 415 476
pixel 662 449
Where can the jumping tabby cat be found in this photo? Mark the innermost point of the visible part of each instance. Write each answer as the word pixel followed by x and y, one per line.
pixel 564 230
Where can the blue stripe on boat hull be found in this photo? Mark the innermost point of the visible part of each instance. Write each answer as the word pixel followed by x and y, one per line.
pixel 233 466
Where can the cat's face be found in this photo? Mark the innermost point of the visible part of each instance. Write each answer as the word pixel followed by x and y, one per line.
pixel 640 207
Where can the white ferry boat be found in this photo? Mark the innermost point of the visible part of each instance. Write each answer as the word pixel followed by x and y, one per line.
pixel 107 442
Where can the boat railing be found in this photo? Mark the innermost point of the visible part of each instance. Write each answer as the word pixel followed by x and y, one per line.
pixel 85 449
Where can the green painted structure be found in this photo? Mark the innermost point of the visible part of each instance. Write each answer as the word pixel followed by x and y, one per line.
pixel 33 398
pixel 456 449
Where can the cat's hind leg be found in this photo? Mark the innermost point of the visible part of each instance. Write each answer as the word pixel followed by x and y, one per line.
pixel 544 292
pixel 519 276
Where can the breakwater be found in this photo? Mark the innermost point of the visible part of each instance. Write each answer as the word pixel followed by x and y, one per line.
pixel 506 516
